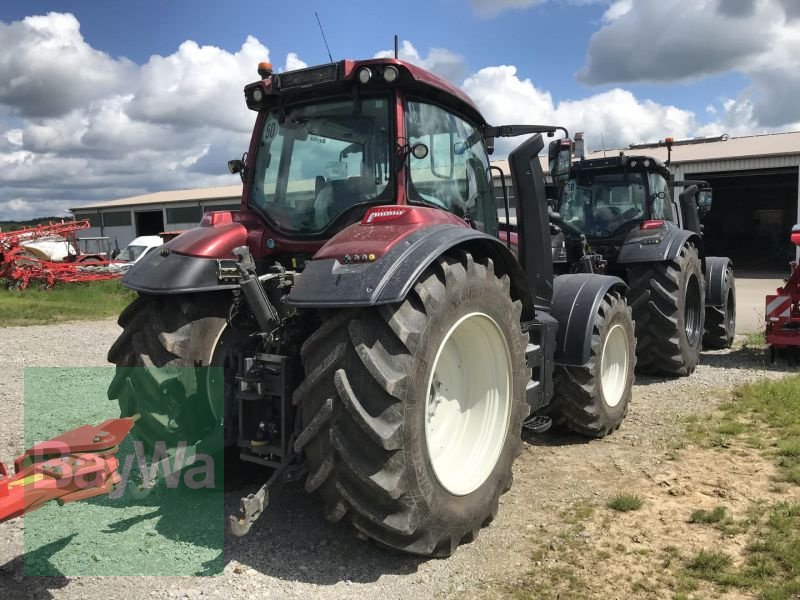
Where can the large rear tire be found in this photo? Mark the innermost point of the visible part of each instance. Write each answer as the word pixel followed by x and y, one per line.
pixel 412 413
pixel 165 344
pixel 593 399
pixel 721 320
pixel 668 301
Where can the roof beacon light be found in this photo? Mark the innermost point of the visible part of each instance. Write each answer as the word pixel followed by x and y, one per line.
pixel 265 70
pixel 390 74
pixel 364 75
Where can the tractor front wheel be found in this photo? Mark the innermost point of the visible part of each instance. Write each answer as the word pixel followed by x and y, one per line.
pixel 412 413
pixel 721 320
pixel 593 399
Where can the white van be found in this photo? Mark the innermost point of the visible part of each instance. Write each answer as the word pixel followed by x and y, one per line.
pixel 137 249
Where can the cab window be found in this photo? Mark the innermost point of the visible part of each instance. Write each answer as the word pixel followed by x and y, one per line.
pixel 454 176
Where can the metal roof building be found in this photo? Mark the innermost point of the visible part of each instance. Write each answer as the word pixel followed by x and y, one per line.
pixel 124 219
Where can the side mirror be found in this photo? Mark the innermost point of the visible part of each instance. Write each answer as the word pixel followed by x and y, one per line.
pixel 704 201
pixel 559 154
pixel 237 166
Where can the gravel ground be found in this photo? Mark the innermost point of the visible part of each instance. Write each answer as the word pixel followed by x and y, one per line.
pixel 293 552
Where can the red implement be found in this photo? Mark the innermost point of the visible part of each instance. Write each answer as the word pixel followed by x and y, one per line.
pixel 76 465
pixel 19 267
pixel 783 313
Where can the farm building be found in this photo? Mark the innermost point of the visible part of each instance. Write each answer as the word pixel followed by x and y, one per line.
pixel 126 218
pixel 756 192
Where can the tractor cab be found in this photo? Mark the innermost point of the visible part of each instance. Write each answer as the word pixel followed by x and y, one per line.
pixel 333 141
pixel 607 197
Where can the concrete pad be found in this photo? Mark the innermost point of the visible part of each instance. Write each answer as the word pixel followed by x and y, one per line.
pixel 751 292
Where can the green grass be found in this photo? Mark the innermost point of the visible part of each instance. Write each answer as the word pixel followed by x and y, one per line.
pixel 755 339
pixel 771 565
pixel 67 302
pixel 708 516
pixel 625 502
pixel 709 564
pixel 766 416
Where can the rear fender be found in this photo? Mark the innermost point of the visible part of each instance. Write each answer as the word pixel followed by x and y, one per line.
pixel 657 245
pixel 716 284
pixel 576 300
pixel 332 283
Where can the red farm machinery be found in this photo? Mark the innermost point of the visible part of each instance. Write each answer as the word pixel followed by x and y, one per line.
pixel 51 254
pixel 783 314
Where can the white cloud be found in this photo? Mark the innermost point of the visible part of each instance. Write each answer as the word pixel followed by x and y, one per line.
pixel 674 40
pixel 489 8
pixel 16 205
pixel 51 69
pixel 293 62
pixel 77 125
pixel 617 9
pixel 441 61
pixel 622 119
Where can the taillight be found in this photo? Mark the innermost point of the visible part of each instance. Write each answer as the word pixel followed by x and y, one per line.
pixel 648 225
pixel 384 214
pixel 216 218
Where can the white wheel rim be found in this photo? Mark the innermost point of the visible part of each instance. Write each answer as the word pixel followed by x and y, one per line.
pixel 614 365
pixel 469 404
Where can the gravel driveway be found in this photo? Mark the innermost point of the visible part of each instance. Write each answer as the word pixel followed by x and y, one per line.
pixel 294 552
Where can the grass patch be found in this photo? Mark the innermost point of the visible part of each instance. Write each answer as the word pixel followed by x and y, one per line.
pixel 709 564
pixel 708 516
pixel 625 502
pixel 67 302
pixel 755 339
pixel 771 568
pixel 764 416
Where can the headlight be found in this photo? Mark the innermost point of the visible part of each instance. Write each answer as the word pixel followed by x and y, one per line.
pixel 390 74
pixel 364 75
pixel 258 95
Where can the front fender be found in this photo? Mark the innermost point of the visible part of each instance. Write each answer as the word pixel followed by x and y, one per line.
pixel 656 245
pixel 329 283
pixel 717 284
pixel 576 300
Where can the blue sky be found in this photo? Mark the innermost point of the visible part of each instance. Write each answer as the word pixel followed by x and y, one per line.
pixel 100 100
pixel 547 42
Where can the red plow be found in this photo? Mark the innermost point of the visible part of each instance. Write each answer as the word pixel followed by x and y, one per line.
pixel 783 315
pixel 20 267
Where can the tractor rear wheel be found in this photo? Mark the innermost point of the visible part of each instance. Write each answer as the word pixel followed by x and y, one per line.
pixel 412 413
pixel 165 342
pixel 721 320
pixel 593 399
pixel 668 301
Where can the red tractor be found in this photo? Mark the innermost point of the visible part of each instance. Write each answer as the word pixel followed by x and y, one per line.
pixel 366 323
pixel 783 314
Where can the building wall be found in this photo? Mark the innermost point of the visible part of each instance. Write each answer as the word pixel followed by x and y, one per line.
pixel 123 235
pixel 745 164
